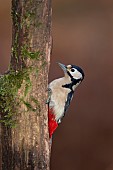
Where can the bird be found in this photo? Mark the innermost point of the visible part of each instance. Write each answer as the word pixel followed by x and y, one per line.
pixel 60 94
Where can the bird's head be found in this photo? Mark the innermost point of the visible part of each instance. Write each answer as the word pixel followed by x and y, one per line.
pixel 75 73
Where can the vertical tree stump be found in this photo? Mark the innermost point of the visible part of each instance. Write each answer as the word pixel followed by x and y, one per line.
pixel 24 114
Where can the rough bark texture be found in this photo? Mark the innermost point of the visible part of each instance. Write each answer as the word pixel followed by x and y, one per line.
pixel 26 147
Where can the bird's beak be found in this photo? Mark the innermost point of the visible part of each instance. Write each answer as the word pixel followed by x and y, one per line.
pixel 63 67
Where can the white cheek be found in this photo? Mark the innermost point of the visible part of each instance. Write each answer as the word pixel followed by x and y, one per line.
pixel 77 75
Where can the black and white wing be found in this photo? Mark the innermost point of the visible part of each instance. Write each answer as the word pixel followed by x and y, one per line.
pixel 68 101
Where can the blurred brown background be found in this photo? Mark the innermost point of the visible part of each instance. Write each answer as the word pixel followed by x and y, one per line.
pixel 82 35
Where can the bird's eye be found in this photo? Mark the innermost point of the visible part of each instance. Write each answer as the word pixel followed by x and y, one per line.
pixel 72 70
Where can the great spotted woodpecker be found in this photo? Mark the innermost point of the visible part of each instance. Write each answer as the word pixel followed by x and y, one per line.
pixel 60 93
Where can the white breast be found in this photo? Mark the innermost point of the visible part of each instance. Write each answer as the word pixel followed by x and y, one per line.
pixel 58 97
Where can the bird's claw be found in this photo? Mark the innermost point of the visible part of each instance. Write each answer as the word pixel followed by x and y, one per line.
pixel 49 96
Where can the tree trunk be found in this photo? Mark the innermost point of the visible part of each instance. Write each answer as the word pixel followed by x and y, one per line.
pixel 24 114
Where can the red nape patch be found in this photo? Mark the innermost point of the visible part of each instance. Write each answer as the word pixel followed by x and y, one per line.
pixel 51 122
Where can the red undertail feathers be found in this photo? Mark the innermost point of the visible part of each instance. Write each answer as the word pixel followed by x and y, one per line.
pixel 52 123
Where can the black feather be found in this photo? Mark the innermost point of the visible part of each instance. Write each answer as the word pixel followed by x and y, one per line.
pixel 69 98
pixel 70 94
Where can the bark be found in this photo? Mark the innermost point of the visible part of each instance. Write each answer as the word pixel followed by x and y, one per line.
pixel 26 146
